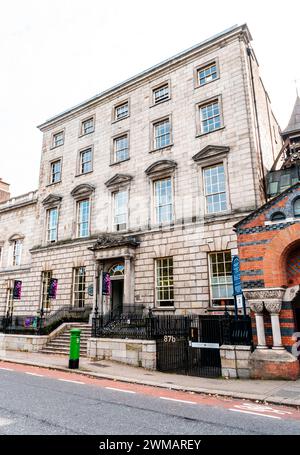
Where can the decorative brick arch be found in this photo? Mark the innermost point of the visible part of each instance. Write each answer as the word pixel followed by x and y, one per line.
pixel 274 263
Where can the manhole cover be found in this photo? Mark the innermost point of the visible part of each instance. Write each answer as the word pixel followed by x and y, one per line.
pixel 99 365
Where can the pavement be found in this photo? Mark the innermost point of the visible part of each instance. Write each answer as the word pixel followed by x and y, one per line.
pixel 266 391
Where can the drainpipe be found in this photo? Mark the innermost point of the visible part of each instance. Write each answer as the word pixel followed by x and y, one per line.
pixel 249 53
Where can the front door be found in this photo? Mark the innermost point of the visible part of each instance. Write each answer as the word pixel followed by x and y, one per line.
pixel 116 273
pixel 117 289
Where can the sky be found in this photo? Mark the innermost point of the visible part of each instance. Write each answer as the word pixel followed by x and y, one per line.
pixel 58 53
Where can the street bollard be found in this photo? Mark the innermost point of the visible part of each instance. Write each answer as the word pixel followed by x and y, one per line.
pixel 74 348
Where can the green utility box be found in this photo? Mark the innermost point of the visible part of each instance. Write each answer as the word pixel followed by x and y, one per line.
pixel 74 348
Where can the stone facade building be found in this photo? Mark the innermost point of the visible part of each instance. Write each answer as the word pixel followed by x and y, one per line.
pixel 146 181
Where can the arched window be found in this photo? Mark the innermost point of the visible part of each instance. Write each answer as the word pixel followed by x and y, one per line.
pixel 297 207
pixel 277 216
pixel 117 270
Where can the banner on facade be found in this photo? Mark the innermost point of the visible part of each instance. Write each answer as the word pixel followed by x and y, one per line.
pixel 106 283
pixel 52 288
pixel 17 290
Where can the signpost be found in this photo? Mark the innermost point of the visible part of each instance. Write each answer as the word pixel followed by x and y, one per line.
pixel 239 299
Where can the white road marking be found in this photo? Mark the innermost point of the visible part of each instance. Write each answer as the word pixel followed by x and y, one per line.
pixel 261 408
pixel 255 413
pixel 34 374
pixel 6 369
pixel 4 422
pixel 120 390
pixel 180 401
pixel 73 382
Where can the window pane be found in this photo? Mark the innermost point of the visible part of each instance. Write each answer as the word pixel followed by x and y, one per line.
pixel 121 111
pixel 163 200
pixel 162 134
pixel 121 148
pixel 164 282
pixel 88 126
pixel 120 210
pixel 79 286
pixel 221 278
pixel 86 161
pixel 83 218
pixel 215 189
pixel 52 225
pixel 210 117
pixel 161 93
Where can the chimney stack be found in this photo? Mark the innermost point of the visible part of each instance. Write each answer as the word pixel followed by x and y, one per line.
pixel 4 191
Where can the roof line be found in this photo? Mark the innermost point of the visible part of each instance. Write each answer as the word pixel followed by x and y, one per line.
pixel 145 72
pixel 265 205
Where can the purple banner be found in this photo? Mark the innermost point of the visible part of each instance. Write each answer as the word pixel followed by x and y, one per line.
pixel 17 290
pixel 106 284
pixel 52 289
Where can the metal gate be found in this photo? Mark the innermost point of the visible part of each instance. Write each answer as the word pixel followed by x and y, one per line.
pixel 190 345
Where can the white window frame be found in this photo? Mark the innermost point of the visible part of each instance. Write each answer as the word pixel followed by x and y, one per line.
pixel 156 139
pixel 156 201
pixel 91 128
pixel 161 88
pixel 46 276
pixel 120 107
pixel 79 222
pixel 116 226
pixel 225 281
pixel 206 194
pixel 52 228
pixel 79 295
pixel 207 78
pixel 17 246
pixel 125 154
pixel 169 288
pixel 54 139
pixel 82 163
pixel 52 173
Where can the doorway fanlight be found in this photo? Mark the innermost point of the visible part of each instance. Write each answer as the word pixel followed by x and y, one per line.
pixel 116 270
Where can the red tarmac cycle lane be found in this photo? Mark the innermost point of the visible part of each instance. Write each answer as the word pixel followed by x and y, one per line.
pixel 234 405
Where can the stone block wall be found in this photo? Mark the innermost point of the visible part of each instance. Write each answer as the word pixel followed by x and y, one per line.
pixel 235 361
pixel 140 353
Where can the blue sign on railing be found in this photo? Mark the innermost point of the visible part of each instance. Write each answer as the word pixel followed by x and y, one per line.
pixel 236 276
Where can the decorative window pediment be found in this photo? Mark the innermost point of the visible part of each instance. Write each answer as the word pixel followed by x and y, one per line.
pixel 51 200
pixel 83 190
pixel 161 167
pixel 118 179
pixel 211 151
pixel 15 237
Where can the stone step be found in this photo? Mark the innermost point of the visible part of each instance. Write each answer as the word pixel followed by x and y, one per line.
pixel 64 353
pixel 57 344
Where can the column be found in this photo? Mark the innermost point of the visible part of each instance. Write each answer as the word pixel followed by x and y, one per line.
pixel 127 281
pixel 257 307
pixel 274 307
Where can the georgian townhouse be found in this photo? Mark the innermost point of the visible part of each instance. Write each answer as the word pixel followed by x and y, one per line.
pixel 145 181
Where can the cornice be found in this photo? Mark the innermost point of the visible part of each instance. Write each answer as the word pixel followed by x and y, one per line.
pixel 152 72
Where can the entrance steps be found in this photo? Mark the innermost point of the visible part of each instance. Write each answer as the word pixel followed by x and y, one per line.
pixel 60 344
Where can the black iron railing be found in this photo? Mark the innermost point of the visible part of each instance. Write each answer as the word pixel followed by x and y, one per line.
pixel 43 324
pixel 144 325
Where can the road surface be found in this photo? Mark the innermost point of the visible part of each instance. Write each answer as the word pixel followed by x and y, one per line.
pixel 38 401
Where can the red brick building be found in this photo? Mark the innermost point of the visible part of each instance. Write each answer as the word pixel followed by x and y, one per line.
pixel 269 251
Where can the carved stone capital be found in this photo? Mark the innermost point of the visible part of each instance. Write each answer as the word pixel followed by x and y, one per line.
pixel 264 294
pixel 273 306
pixel 257 306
